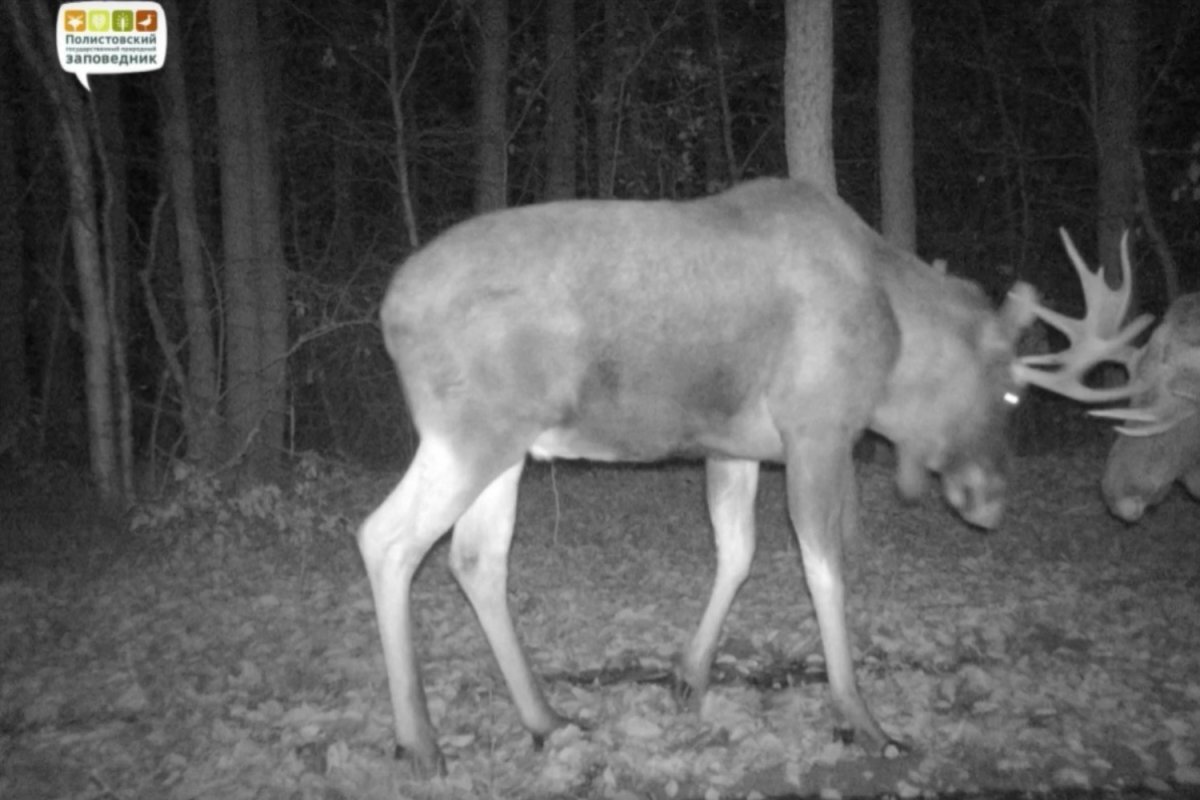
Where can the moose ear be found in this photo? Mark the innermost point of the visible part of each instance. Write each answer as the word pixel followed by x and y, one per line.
pixel 1017 313
pixel 1014 317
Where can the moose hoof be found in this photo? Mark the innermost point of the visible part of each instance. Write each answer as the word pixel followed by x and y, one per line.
pixel 687 697
pixel 539 737
pixel 425 766
pixel 843 735
pixel 889 750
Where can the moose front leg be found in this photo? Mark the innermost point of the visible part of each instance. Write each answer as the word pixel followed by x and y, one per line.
pixel 823 502
pixel 731 486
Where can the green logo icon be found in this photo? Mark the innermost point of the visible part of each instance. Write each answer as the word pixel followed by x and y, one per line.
pixel 122 21
pixel 98 21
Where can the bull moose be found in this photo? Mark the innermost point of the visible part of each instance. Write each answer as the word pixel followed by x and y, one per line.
pixel 766 323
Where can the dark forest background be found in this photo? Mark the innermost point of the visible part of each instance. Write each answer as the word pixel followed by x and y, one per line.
pixel 361 128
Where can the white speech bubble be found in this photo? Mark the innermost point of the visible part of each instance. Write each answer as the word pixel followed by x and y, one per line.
pixel 108 37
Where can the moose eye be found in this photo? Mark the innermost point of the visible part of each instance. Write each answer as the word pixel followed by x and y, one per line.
pixel 1012 398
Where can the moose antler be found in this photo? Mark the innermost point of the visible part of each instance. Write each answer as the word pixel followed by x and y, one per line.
pixel 1176 393
pixel 1149 421
pixel 1095 339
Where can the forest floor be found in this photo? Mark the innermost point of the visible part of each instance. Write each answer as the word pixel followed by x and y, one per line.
pixel 223 645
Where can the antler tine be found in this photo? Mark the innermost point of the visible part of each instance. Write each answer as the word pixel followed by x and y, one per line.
pixel 1111 307
pixel 1171 404
pixel 1096 338
pixel 1090 352
pixel 1147 421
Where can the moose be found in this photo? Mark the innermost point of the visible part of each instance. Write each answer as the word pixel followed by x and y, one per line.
pixel 766 323
pixel 1161 442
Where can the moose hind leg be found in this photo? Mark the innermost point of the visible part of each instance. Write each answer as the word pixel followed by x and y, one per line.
pixel 393 540
pixel 823 502
pixel 479 560
pixel 731 486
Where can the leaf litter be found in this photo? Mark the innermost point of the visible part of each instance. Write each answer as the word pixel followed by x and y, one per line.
pixel 226 648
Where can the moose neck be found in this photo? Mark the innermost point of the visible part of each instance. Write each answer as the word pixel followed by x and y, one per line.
pixel 941 321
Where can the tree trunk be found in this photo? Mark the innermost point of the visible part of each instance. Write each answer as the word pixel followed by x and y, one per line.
pixel 273 314
pixel 396 87
pixel 58 392
pixel 608 104
pixel 808 109
pixel 895 101
pixel 36 45
pixel 255 291
pixel 808 91
pixel 114 226
pixel 14 384
pixel 560 117
pixel 1170 268
pixel 721 168
pixel 491 103
pixel 106 96
pixel 97 335
pixel 1116 128
pixel 342 234
pixel 200 386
